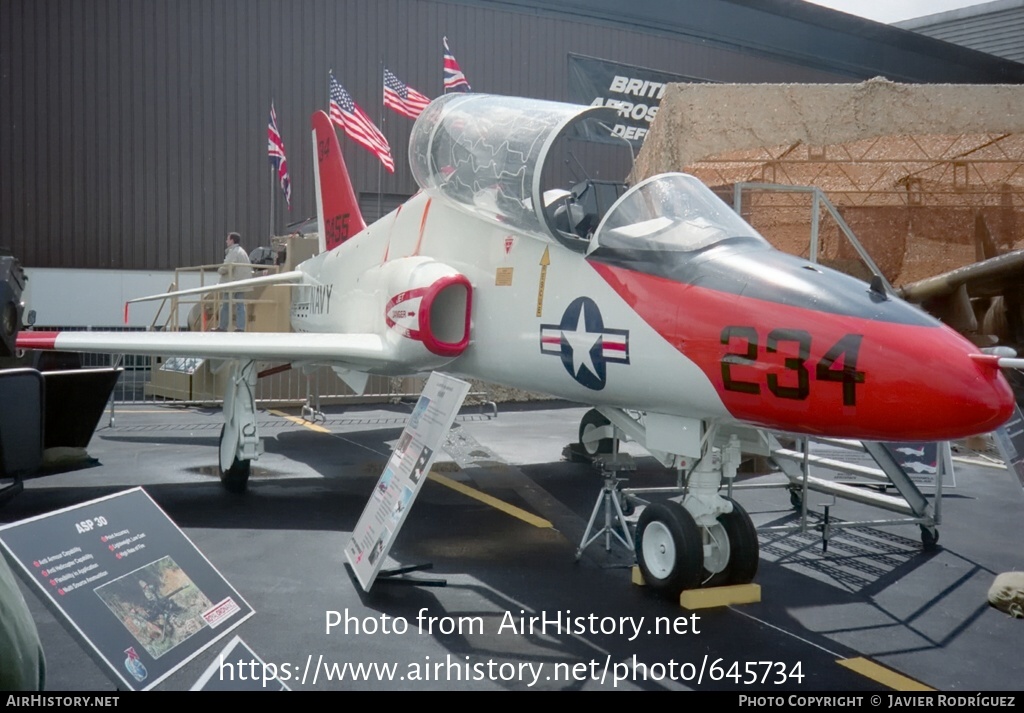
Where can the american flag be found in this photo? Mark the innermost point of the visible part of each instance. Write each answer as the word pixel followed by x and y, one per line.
pixel 454 79
pixel 357 125
pixel 275 150
pixel 402 98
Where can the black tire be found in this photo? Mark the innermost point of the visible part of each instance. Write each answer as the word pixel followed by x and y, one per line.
pixel 236 478
pixel 795 499
pixel 744 550
pixel 668 548
pixel 929 538
pixel 593 419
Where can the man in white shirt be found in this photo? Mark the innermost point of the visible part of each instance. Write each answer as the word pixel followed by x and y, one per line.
pixel 235 267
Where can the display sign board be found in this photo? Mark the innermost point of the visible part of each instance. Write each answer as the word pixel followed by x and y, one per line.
pixel 182 365
pixel 238 668
pixel 635 91
pixel 921 461
pixel 127 583
pixel 1010 440
pixel 404 475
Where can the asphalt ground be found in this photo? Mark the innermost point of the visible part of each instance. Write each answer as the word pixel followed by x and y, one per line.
pixel 874 613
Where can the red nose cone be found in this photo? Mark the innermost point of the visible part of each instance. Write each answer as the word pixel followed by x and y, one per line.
pixel 936 391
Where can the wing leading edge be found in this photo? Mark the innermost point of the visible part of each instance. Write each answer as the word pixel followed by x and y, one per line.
pixel 365 352
pixel 293 277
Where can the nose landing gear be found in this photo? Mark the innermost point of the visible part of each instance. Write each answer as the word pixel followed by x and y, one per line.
pixel 668 548
pixel 700 539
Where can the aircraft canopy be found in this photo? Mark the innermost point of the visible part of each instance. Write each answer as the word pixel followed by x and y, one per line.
pixel 486 154
pixel 670 212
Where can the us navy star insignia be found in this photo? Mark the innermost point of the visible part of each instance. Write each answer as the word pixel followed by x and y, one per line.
pixel 583 343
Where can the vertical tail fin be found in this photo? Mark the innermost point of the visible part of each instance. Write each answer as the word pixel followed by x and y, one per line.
pixel 337 207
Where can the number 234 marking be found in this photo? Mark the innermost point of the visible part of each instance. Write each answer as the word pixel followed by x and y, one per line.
pixel 795 381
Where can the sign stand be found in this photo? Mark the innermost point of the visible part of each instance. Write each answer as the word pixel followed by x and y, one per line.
pixel 397 576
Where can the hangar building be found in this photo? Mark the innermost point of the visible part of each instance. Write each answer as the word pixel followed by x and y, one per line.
pixel 996 27
pixel 133 132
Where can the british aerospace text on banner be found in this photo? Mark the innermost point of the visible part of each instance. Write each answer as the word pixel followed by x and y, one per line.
pixel 635 92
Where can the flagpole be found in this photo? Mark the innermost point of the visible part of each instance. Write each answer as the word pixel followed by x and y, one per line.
pixel 380 166
pixel 272 177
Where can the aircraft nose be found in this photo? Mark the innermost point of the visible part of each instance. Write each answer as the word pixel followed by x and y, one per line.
pixel 996 397
pixel 966 395
pixel 929 383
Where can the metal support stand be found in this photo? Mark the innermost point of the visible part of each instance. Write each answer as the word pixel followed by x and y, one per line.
pixel 609 500
pixel 826 529
pixel 796 462
pixel 116 364
pixel 493 406
pixel 9 491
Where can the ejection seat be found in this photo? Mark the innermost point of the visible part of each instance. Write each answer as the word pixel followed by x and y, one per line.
pixel 569 217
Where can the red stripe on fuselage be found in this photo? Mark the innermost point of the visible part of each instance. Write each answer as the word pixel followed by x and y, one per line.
pixel 918 382
pixel 423 227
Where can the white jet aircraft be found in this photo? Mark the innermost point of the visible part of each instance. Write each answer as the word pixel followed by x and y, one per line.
pixel 654 303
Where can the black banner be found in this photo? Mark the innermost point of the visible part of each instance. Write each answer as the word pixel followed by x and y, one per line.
pixel 635 91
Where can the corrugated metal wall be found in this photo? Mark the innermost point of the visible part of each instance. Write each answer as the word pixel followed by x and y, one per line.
pixel 133 132
pixel 996 28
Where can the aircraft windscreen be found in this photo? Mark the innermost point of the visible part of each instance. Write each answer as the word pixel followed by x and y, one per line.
pixel 486 153
pixel 673 212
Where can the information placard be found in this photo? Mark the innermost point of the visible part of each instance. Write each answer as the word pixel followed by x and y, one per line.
pixel 127 583
pixel 404 475
pixel 1010 440
pixel 920 461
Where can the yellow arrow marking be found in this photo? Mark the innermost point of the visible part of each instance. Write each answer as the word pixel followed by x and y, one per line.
pixel 545 260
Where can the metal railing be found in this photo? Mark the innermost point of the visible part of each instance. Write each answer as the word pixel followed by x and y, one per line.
pixel 819 202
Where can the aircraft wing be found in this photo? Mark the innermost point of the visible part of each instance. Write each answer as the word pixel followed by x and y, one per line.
pixel 356 351
pixel 949 296
pixel 986 278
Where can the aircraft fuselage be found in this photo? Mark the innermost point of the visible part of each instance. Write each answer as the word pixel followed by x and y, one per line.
pixel 736 332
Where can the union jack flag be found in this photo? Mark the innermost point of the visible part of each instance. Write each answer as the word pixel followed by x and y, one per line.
pixel 454 79
pixel 357 125
pixel 402 98
pixel 275 150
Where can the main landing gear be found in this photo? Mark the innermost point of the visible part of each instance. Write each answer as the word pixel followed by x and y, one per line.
pixel 239 437
pixel 699 538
